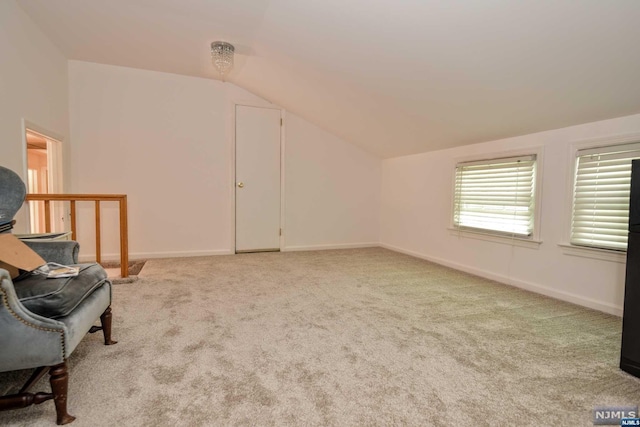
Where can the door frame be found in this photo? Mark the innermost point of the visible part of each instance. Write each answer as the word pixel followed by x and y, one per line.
pixel 55 157
pixel 231 131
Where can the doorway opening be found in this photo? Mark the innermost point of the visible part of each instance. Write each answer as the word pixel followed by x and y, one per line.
pixel 44 176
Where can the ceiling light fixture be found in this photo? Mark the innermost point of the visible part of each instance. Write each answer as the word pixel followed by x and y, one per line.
pixel 222 57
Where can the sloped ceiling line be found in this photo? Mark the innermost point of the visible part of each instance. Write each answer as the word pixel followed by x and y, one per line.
pixel 393 77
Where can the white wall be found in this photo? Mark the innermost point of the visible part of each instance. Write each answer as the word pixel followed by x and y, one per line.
pixel 167 140
pixel 160 139
pixel 332 190
pixel 416 211
pixel 33 86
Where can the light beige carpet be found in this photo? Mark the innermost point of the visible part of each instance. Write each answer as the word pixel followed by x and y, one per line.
pixel 351 337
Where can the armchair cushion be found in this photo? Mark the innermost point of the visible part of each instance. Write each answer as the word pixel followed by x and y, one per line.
pixel 56 298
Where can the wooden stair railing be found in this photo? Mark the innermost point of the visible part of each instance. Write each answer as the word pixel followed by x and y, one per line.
pixel 97 198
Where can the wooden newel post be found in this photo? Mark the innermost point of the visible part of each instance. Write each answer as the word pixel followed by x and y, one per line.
pixel 98 237
pixel 124 238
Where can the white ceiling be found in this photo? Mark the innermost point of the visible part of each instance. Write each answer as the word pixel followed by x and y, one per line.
pixel 394 77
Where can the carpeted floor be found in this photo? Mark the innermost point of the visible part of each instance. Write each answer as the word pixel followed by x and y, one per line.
pixel 350 337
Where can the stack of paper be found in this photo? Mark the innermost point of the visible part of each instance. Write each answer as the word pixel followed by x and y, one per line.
pixel 53 270
pixel 6 226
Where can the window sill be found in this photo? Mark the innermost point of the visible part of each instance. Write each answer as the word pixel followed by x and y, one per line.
pixel 507 240
pixel 594 253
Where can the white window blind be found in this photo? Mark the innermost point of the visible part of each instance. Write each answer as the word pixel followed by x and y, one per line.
pixel 496 195
pixel 601 196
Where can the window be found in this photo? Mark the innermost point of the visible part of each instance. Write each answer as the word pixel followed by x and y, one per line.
pixel 601 196
pixel 496 196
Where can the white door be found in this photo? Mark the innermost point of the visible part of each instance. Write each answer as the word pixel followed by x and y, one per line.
pixel 257 179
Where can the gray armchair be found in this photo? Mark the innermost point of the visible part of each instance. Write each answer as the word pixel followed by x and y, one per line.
pixel 43 320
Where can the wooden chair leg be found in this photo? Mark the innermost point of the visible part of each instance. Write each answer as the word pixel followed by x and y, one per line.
pixel 105 320
pixel 59 385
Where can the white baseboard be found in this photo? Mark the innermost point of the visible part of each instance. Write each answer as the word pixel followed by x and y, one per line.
pixel 533 287
pixel 149 255
pixel 334 246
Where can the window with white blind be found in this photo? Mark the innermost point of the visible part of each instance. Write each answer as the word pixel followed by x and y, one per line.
pixel 601 196
pixel 496 196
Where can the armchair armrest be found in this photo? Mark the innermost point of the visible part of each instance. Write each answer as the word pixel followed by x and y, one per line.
pixel 63 251
pixel 27 340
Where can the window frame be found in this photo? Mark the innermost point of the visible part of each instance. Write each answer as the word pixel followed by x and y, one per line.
pixel 585 144
pixel 531 241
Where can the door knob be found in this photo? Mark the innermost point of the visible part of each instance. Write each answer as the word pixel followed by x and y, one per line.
pixel 241 184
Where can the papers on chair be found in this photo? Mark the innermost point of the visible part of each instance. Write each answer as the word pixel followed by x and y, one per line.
pixel 6 226
pixel 53 270
pixel 44 237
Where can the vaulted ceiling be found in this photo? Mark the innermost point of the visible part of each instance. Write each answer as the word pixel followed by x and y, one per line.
pixel 393 77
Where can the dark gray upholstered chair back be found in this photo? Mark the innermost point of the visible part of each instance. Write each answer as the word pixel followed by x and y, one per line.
pixel 12 194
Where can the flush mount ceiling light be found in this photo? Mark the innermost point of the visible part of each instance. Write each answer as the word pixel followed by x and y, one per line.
pixel 222 57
